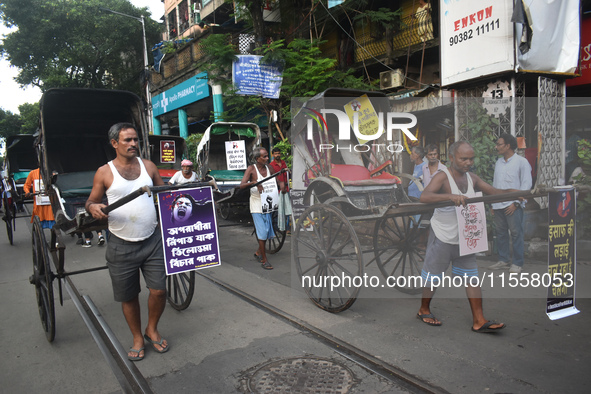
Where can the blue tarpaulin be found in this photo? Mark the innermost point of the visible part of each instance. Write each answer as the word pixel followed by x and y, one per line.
pixel 158 54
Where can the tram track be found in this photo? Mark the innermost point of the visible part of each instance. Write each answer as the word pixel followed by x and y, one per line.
pixel 131 379
pixel 358 356
pixel 128 375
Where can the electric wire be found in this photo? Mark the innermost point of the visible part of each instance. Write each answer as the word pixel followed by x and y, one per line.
pixel 366 51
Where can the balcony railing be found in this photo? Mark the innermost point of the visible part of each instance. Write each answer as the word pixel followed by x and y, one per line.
pixel 181 60
pixel 410 31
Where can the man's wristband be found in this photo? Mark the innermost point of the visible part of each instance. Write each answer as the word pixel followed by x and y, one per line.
pixel 517 205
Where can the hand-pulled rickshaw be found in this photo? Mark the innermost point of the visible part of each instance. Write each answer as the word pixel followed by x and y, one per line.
pixel 212 163
pixel 20 159
pixel 349 183
pixel 354 198
pixel 73 144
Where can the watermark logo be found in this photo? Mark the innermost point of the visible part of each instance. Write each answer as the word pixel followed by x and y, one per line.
pixel 367 125
pixel 345 124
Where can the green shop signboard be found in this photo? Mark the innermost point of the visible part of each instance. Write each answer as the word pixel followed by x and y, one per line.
pixel 181 95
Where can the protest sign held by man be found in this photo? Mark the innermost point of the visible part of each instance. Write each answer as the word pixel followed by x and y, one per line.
pixel 260 208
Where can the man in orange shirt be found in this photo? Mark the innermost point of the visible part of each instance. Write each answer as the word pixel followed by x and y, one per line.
pixel 41 204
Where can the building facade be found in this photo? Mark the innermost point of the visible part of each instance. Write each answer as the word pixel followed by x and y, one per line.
pixel 449 63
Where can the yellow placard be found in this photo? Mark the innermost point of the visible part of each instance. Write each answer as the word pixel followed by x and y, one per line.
pixel 368 118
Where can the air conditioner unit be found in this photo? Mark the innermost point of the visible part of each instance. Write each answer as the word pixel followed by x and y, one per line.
pixel 391 79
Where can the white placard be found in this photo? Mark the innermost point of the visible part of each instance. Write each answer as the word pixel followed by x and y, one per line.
pixel 41 198
pixel 236 155
pixel 476 39
pixel 270 196
pixel 472 228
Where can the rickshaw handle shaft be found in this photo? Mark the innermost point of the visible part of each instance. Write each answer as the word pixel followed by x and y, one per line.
pixel 418 207
pixel 149 189
pixel 265 179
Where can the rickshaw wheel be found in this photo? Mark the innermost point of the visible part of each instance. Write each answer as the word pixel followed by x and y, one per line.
pixel 9 218
pixel 180 289
pixel 225 210
pixel 275 244
pixel 397 251
pixel 325 245
pixel 42 278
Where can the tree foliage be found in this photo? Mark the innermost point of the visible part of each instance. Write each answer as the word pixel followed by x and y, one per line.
pixel 390 23
pixel 29 115
pixel 192 144
pixel 306 73
pixel 10 123
pixel 72 43
pixel 25 123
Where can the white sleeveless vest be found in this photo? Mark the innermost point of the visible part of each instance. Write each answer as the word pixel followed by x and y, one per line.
pixel 445 221
pixel 136 220
pixel 255 195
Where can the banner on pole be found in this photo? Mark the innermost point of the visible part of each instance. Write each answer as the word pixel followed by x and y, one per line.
pixel 562 253
pixel 253 78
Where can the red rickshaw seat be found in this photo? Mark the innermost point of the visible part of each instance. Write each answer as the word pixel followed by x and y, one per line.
pixel 356 175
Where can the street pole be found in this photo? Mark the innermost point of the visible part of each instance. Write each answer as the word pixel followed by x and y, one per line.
pixel 147 80
pixel 146 70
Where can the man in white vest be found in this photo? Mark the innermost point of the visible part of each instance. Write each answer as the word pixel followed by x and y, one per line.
pixel 260 209
pixel 454 184
pixel 134 236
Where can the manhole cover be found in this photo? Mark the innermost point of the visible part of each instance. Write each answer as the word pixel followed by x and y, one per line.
pixel 302 375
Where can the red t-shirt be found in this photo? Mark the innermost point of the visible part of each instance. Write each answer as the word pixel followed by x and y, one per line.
pixel 278 166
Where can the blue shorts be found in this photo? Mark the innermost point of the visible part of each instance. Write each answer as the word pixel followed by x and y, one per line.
pixel 440 254
pixel 263 223
pixel 125 259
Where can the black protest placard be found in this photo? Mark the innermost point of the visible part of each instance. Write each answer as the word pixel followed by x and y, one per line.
pixel 561 253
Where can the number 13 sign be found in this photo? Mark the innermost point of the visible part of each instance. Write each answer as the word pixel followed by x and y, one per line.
pixel 497 98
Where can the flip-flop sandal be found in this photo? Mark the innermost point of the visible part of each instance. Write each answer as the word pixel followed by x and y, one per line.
pixel 428 316
pixel 256 256
pixel 486 327
pixel 138 357
pixel 267 266
pixel 164 349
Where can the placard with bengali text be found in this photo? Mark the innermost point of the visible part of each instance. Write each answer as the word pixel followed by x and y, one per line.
pixel 189 230
pixel 167 152
pixel 562 207
pixel 251 77
pixel 236 155
pixel 472 232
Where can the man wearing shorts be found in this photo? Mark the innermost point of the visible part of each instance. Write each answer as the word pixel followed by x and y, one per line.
pixel 263 220
pixel 443 247
pixel 134 237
